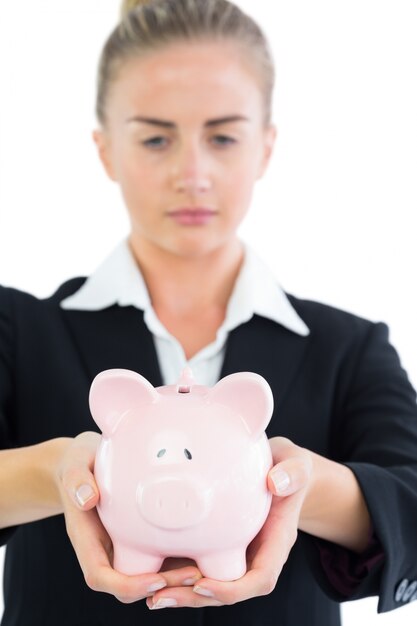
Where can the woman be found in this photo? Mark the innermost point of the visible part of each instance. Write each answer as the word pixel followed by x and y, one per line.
pixel 184 128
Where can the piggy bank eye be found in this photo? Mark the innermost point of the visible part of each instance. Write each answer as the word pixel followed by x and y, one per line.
pixel 187 453
pixel 161 452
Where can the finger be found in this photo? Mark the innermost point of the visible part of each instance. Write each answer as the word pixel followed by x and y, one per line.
pixel 76 471
pixel 272 549
pixel 176 597
pixel 272 545
pixel 259 580
pixel 85 543
pixel 283 448
pixel 273 552
pixel 89 538
pixel 289 476
pixel 266 556
pixel 92 546
pixel 180 572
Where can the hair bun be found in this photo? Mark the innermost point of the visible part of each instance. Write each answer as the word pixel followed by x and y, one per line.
pixel 128 5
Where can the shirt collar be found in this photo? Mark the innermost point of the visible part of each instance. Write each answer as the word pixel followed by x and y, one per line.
pixel 118 280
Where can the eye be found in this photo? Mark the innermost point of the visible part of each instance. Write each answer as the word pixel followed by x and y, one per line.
pixel 187 453
pixel 224 140
pixel 161 452
pixel 154 143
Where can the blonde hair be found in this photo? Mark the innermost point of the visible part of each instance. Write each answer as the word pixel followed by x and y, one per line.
pixel 147 26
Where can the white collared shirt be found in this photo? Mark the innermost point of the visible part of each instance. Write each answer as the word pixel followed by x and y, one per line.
pixel 118 280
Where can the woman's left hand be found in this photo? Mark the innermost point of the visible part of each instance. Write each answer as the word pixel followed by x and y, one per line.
pixel 289 480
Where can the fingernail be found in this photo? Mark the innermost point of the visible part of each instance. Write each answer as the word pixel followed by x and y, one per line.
pixel 84 494
pixel 190 581
pixel 156 586
pixel 281 480
pixel 203 592
pixel 164 602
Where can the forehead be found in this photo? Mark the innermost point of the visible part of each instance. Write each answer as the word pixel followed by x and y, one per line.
pixel 188 78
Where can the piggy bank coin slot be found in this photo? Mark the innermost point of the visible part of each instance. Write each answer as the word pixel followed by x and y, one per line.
pixel 186 380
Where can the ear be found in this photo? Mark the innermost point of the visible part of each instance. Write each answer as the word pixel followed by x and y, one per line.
pixel 114 392
pixel 249 395
pixel 102 142
pixel 270 134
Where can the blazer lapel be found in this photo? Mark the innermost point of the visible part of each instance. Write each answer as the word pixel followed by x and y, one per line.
pixel 118 337
pixel 271 350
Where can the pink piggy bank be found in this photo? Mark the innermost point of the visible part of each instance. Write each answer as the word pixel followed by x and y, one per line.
pixel 182 469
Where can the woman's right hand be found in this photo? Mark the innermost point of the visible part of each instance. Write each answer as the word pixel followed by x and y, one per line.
pixel 91 542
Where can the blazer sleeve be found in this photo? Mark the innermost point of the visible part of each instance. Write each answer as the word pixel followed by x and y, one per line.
pixel 375 435
pixel 7 400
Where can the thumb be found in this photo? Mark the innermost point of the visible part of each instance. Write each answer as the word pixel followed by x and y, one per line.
pixel 289 476
pixel 76 472
pixel 85 496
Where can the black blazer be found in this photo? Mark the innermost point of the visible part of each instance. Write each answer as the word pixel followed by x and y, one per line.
pixel 341 391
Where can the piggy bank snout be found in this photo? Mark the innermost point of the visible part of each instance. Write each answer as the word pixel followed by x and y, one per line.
pixel 172 503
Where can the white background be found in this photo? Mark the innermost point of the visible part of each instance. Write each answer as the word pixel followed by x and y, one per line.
pixel 334 215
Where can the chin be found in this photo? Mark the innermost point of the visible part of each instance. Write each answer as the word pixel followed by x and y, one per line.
pixel 189 245
pixel 195 247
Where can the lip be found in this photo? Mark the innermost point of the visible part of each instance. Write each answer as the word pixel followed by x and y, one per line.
pixel 192 211
pixel 192 216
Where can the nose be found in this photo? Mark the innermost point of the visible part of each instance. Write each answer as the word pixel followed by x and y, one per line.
pixel 191 170
pixel 192 184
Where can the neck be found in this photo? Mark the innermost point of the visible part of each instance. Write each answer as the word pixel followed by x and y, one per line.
pixel 183 285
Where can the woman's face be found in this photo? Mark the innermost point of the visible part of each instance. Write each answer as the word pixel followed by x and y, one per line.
pixel 184 130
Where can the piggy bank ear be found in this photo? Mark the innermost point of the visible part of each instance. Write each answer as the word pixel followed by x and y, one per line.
pixel 114 392
pixel 250 395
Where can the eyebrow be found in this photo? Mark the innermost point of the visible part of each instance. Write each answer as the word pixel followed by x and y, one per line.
pixel 166 124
